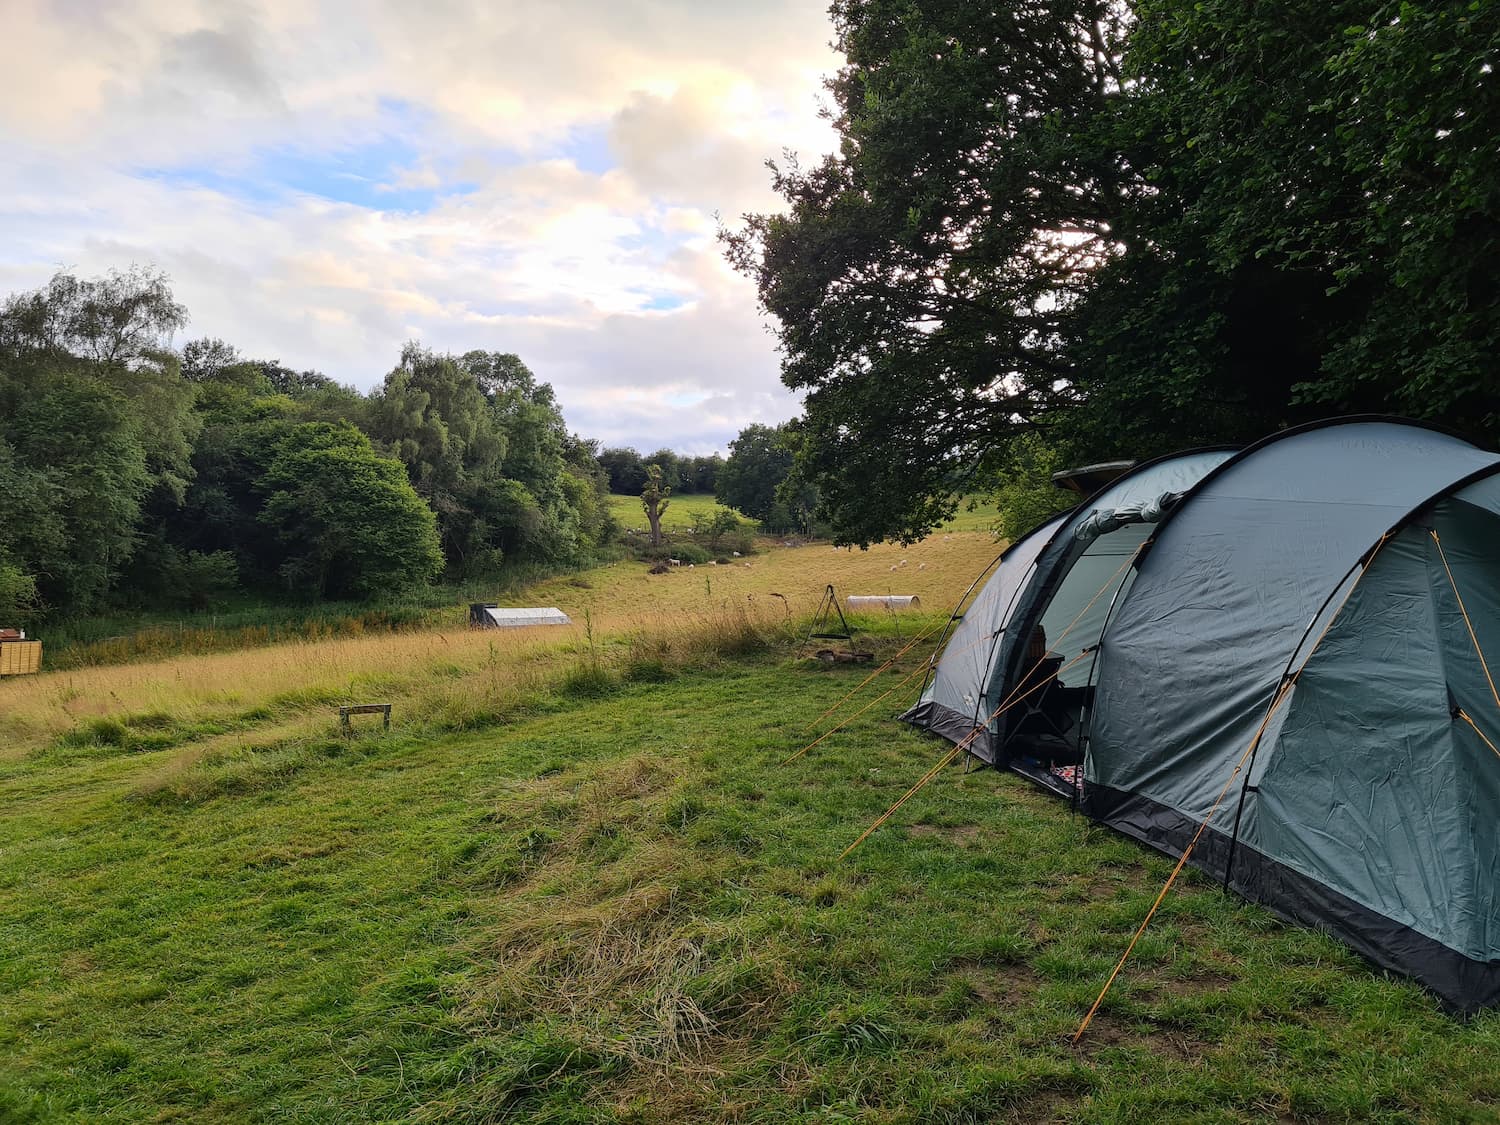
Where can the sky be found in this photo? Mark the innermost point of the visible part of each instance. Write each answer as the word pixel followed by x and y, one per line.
pixel 323 180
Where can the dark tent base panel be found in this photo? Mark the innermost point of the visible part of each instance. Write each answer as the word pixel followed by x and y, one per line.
pixel 954 727
pixel 1464 986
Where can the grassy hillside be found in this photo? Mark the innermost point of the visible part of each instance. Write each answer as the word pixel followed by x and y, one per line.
pixel 452 670
pixel 575 884
pixel 973 514
pixel 678 517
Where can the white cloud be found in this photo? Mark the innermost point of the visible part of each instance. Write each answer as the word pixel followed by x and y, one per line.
pixel 326 180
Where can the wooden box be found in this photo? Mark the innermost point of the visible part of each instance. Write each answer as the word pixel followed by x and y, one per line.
pixel 20 658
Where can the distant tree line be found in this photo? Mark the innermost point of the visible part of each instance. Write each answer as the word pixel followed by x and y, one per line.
pixel 684 475
pixel 133 473
pixel 756 478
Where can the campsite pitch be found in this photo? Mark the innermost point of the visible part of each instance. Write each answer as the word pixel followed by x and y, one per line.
pixel 573 884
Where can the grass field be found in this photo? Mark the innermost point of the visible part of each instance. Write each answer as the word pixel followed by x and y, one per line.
pixel 574 884
pixel 972 515
pixel 676 520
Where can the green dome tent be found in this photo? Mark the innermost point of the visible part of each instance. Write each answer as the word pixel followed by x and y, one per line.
pixel 1317 610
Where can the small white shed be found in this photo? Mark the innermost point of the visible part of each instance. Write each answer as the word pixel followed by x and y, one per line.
pixel 484 616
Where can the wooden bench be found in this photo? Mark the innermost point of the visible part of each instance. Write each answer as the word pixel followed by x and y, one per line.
pixel 363 709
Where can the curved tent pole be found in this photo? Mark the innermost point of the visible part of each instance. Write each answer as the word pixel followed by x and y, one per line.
pixel 1363 561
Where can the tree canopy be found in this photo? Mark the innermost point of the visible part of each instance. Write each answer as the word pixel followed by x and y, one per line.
pixel 1126 228
pixel 132 472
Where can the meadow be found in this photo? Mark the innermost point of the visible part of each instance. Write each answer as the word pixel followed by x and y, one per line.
pixel 575 882
pixel 677 519
pixel 973 514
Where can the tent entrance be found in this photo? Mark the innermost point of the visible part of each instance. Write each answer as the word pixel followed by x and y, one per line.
pixel 1045 734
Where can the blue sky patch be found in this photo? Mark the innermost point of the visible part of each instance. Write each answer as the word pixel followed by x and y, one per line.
pixel 367 173
pixel 588 148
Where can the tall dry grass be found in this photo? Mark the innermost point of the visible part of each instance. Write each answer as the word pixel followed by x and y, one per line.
pixel 627 624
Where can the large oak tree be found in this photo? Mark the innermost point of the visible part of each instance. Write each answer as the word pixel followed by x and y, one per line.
pixel 1129 228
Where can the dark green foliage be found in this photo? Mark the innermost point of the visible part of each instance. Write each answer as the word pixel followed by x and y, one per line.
pixel 486 446
pixel 1131 229
pixel 682 552
pixel 133 475
pixel 1024 494
pixel 757 478
pixel 108 320
pixel 350 520
pixel 198 581
pixel 18 596
pixel 924 276
pixel 759 460
pixel 75 479
pixel 626 471
pixel 712 528
pixel 1325 215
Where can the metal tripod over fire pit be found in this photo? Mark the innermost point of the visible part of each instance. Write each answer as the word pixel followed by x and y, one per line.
pixel 821 629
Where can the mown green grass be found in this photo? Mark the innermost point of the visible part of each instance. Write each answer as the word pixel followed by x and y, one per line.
pixel 613 904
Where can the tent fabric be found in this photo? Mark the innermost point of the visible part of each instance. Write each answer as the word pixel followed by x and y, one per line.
pixel 1196 652
pixel 1317 608
pixel 952 704
pixel 968 685
pixel 1177 473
